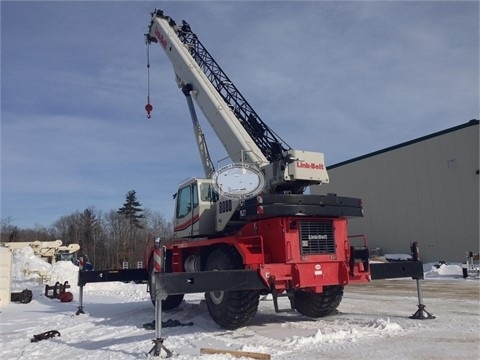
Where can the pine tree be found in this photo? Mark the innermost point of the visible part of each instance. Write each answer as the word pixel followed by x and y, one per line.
pixel 131 209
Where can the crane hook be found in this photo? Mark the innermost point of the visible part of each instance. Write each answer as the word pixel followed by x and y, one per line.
pixel 148 108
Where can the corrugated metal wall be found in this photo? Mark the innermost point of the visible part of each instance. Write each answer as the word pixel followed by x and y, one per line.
pixel 426 190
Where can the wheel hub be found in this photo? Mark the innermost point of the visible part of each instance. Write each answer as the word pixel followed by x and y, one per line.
pixel 216 296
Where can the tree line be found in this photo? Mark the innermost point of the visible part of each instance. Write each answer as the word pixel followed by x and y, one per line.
pixel 107 239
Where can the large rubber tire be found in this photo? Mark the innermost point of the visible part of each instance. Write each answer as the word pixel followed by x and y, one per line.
pixel 318 305
pixel 230 309
pixel 171 301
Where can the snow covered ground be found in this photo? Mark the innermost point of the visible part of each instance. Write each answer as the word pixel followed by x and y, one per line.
pixel 372 321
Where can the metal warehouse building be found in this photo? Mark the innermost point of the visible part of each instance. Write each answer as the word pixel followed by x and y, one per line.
pixel 424 190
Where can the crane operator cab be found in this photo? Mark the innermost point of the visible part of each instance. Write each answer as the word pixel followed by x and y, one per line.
pixel 195 209
pixel 209 207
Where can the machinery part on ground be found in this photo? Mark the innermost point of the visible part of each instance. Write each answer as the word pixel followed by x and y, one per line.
pixel 23 297
pixel 66 296
pixel 166 323
pixel 472 265
pixel 45 335
pixel 56 290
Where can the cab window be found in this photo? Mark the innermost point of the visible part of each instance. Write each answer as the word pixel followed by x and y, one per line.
pixel 195 195
pixel 207 193
pixel 184 202
pixel 186 198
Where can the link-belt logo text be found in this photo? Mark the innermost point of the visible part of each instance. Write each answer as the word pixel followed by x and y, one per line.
pixel 310 165
pixel 317 237
pixel 160 38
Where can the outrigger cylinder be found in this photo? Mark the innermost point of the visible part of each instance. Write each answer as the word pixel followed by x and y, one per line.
pixel 421 313
pixel 159 260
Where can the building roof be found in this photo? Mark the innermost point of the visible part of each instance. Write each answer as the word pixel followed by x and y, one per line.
pixel 472 122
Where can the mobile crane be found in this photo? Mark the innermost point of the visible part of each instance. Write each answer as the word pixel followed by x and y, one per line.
pixel 247 229
pixel 296 244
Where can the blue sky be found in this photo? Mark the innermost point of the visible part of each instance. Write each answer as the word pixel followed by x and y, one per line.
pixel 343 78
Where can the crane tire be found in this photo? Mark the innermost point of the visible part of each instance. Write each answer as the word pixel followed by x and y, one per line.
pixel 171 301
pixel 317 305
pixel 230 309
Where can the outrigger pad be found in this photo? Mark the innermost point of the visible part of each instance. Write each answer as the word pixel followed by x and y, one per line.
pixel 45 335
pixel 167 323
pixel 422 314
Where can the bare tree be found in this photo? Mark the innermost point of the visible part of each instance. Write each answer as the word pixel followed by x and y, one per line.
pixel 68 229
pixel 117 232
pixel 89 225
pixel 157 225
pixel 108 239
pixel 10 232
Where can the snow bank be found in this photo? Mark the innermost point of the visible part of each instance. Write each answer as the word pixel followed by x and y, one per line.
pixel 27 267
pixel 338 332
pixel 442 270
pixel 398 257
pixel 29 271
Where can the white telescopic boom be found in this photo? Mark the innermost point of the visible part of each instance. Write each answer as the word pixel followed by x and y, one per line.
pixel 239 145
